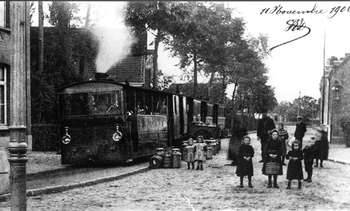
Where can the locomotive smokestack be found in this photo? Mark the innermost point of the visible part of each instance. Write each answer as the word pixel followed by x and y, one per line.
pixel 101 76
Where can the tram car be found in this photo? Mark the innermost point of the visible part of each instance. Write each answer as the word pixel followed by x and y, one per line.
pixel 106 122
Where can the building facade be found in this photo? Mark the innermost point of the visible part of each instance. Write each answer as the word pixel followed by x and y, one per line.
pixel 14 71
pixel 335 92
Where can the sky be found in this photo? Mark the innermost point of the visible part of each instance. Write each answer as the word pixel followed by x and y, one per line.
pixel 295 68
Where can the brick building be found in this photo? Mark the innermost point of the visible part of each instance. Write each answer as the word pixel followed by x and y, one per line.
pixel 335 95
pixel 14 82
pixel 135 69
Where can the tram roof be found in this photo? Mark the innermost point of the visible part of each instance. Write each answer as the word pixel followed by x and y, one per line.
pixel 109 82
pixel 127 87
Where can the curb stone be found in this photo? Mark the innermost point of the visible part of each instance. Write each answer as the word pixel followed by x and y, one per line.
pixel 340 162
pixel 61 188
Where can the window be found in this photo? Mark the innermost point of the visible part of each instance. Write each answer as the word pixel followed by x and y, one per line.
pixel 74 104
pixel 106 103
pixel 2 14
pixel 2 95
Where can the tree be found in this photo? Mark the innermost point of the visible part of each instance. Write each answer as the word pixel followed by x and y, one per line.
pixel 59 66
pixel 153 16
pixel 164 81
pixel 308 108
pixel 188 36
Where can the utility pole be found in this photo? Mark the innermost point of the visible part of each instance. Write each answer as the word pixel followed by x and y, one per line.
pixel 323 80
pixel 299 105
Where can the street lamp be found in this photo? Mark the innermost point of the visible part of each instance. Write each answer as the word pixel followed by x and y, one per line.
pixel 18 117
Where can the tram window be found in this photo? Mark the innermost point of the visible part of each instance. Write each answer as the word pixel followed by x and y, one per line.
pixel 106 103
pixel 140 103
pixel 210 110
pixel 164 107
pixel 148 104
pixel 221 112
pixel 130 102
pixel 197 108
pixel 74 104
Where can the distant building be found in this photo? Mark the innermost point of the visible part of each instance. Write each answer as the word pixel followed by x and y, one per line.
pixel 335 95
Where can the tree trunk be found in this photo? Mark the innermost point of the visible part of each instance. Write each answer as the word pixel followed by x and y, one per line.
pixel 223 87
pixel 41 37
pixel 82 57
pixel 194 75
pixel 155 60
pixel 87 17
pixel 233 104
pixel 210 85
pixel 41 47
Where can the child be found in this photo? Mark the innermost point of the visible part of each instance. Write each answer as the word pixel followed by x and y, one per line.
pixel 272 154
pixel 309 155
pixel 283 135
pixel 295 170
pixel 245 164
pixel 189 158
pixel 200 149
pixel 321 146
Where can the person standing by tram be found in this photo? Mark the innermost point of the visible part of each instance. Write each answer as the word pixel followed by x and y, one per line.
pixel 265 125
pixel 300 130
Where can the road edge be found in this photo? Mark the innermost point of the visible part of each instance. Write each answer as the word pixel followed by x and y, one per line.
pixel 61 188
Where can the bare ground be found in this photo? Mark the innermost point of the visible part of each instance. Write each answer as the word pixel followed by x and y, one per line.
pixel 215 188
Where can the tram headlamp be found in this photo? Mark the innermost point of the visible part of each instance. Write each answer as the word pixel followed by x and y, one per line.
pixel 117 135
pixel 66 138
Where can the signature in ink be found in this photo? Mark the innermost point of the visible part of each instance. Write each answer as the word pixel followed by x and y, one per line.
pixel 294 25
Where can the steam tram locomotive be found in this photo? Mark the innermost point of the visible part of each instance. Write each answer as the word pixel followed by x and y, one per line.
pixel 105 122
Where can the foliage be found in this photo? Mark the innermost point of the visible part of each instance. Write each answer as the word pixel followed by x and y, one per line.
pixel 345 121
pixel 46 137
pixel 308 108
pixel 153 16
pixel 164 81
pixel 64 49
pixel 186 89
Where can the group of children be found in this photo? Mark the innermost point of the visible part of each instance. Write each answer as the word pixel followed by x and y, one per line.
pixel 195 152
pixel 315 149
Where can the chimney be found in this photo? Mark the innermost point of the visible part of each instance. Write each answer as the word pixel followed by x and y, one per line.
pixel 101 76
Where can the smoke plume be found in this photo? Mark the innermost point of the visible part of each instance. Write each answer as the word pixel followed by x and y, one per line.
pixel 115 38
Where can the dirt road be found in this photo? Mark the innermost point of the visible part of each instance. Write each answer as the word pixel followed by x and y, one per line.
pixel 214 188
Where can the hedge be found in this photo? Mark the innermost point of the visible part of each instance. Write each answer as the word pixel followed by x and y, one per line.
pixel 46 137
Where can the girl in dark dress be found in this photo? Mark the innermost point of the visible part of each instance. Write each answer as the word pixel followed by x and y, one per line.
pixel 295 170
pixel 322 146
pixel 245 164
pixel 273 153
pixel 309 156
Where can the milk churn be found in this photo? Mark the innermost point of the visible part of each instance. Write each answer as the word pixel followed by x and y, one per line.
pixel 219 144
pixel 167 160
pixel 176 157
pixel 209 152
pixel 214 148
pixel 155 161
pixel 160 152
